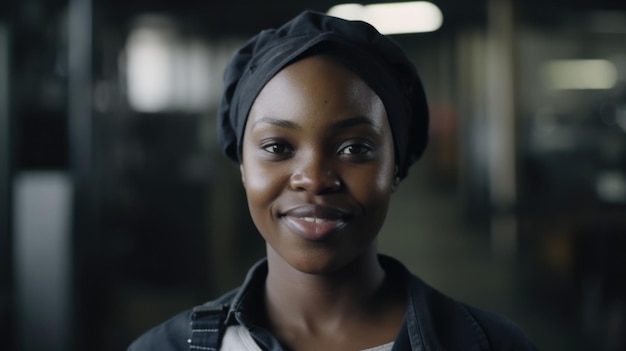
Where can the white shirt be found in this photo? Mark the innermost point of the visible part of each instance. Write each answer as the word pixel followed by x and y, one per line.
pixel 238 338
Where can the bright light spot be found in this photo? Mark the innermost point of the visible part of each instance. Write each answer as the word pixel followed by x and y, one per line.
pixel 351 12
pixel 393 18
pixel 611 186
pixel 579 74
pixel 149 55
pixel 166 71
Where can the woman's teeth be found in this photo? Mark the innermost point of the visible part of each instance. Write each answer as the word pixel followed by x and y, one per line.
pixel 314 220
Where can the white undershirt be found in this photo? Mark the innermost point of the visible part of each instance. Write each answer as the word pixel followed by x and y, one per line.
pixel 238 338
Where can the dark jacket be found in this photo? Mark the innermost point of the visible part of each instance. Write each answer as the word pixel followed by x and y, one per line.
pixel 433 321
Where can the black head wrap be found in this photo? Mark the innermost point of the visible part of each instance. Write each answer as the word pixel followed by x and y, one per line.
pixel 375 58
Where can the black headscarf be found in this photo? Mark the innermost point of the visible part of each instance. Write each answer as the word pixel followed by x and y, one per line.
pixel 375 58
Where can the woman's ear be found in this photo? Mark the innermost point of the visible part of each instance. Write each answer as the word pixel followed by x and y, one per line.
pixel 396 183
pixel 396 180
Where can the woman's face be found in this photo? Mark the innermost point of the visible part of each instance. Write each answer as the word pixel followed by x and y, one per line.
pixel 318 165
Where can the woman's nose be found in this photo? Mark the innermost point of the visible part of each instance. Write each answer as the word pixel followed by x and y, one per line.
pixel 315 175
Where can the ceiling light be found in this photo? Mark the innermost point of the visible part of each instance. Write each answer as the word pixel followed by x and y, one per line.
pixel 393 18
pixel 579 74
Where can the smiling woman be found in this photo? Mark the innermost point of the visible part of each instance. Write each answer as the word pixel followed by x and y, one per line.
pixel 318 183
pixel 324 117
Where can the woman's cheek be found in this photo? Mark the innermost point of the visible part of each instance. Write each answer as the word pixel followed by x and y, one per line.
pixel 261 181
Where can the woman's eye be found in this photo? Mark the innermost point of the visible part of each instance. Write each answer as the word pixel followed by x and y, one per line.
pixel 275 148
pixel 354 149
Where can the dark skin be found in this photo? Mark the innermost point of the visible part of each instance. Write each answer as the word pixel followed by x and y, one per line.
pixel 318 168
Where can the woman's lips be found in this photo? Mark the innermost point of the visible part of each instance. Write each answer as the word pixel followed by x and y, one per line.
pixel 315 222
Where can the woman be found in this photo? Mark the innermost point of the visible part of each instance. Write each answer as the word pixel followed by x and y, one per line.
pixel 324 117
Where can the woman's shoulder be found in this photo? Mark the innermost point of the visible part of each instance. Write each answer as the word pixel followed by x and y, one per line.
pixel 439 321
pixel 501 333
pixel 175 333
pixel 456 323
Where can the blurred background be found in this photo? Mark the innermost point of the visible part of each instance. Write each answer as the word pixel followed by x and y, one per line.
pixel 117 210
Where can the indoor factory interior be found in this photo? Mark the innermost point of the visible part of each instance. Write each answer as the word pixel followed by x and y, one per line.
pixel 118 210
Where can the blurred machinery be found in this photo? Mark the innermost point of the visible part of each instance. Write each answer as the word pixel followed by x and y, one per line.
pixel 573 173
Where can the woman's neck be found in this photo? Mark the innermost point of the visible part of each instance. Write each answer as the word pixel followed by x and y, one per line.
pixel 330 299
pixel 355 307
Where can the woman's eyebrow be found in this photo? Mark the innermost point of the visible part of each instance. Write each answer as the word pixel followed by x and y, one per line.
pixel 356 121
pixel 339 125
pixel 276 122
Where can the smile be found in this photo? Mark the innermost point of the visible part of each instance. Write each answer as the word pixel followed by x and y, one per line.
pixel 314 222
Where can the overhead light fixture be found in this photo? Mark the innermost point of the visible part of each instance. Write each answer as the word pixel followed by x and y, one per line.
pixel 150 68
pixel 393 18
pixel 579 74
pixel 165 70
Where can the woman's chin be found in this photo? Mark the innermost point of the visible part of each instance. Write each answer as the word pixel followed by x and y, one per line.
pixel 314 263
